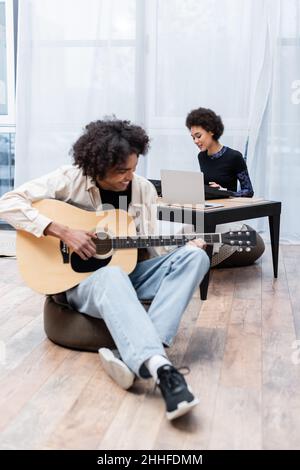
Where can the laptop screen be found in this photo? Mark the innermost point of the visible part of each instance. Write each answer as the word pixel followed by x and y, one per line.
pixel 182 187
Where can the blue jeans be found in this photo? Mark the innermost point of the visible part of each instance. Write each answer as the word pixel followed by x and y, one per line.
pixel 113 295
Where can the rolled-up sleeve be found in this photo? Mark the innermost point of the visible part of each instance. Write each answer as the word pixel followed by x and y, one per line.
pixel 16 206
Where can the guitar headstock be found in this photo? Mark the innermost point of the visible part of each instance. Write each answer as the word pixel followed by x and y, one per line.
pixel 244 239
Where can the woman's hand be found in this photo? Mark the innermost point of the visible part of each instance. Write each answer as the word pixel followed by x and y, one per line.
pixel 213 184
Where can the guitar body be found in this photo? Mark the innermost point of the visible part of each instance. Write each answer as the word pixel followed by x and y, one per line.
pixel 41 260
pixel 48 266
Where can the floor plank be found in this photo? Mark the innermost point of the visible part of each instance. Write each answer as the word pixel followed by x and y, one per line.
pixel 39 416
pixel 240 346
pixel 281 377
pixel 237 419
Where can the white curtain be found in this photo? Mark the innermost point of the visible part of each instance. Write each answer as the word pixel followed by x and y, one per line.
pixel 207 53
pixel 76 63
pixel 152 61
pixel 275 166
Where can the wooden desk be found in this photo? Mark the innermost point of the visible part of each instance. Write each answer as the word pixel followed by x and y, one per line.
pixel 233 210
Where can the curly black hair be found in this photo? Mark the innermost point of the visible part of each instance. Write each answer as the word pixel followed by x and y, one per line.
pixel 107 144
pixel 207 119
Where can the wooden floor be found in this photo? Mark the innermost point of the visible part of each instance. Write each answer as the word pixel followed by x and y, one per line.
pixel 240 345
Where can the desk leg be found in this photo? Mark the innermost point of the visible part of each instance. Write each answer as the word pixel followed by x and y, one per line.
pixel 274 224
pixel 209 250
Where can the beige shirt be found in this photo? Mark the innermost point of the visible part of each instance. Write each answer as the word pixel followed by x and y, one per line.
pixel 68 184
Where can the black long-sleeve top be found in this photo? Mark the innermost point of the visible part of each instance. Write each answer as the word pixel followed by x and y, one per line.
pixel 226 168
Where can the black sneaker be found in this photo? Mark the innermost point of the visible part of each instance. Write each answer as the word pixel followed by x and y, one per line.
pixel 177 394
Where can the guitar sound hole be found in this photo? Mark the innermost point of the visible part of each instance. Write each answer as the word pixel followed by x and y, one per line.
pixel 103 244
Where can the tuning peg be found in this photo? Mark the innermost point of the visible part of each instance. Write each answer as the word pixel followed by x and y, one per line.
pixel 248 248
pixel 240 249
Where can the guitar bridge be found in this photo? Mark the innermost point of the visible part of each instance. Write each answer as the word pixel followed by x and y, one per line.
pixel 64 249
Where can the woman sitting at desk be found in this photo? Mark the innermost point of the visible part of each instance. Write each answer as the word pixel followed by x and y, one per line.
pixel 222 168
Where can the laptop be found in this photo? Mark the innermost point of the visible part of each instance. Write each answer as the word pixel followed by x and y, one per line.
pixel 184 187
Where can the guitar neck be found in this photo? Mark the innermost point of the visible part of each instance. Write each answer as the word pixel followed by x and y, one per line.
pixel 148 241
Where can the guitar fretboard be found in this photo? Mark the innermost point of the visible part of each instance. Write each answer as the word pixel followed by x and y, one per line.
pixel 179 240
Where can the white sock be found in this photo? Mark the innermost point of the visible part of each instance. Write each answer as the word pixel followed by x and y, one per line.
pixel 154 363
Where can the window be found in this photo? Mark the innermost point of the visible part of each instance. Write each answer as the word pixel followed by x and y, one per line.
pixel 7 160
pixel 7 59
pixel 7 95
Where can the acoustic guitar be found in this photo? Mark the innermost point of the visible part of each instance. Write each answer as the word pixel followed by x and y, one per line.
pixel 49 266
